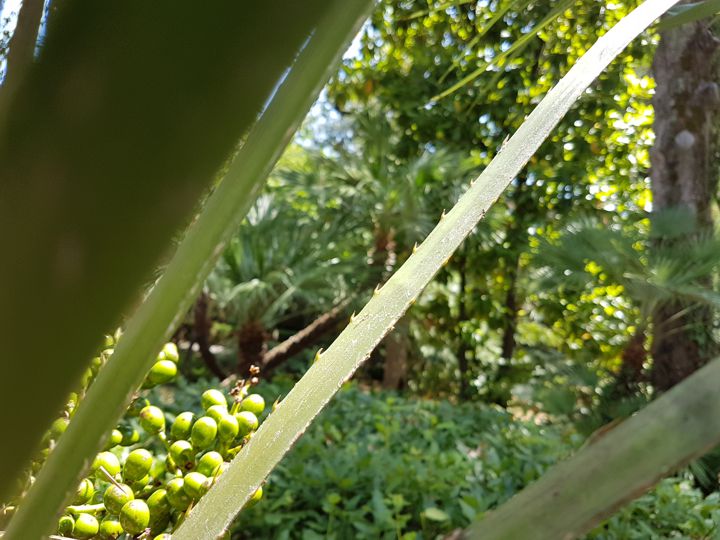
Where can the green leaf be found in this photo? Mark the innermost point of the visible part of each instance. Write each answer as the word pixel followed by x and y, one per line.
pixel 335 366
pixel 435 514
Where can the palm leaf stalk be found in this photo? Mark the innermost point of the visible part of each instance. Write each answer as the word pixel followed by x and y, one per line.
pixel 614 468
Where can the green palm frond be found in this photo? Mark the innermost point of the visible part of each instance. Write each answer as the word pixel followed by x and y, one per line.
pixel 652 272
pixel 280 261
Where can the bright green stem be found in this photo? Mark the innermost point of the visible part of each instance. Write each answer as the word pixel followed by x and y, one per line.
pixel 155 320
pixel 336 365
pixel 615 468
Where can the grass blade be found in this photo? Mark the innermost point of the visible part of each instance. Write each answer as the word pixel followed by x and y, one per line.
pixel 294 414
pixel 156 318
pixel 615 468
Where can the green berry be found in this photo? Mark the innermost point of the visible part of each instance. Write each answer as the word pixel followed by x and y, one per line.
pixel 152 419
pixel 182 454
pixel 228 428
pixel 130 435
pixel 169 352
pixel 176 495
pixel 182 425
pixel 159 523
pixel 203 433
pixel 163 536
pixel 58 427
pixel 253 403
pixel 158 503
pixel 158 469
pixel 163 371
pixel 116 438
pixel 210 464
pixel 87 378
pixel 72 402
pixel 139 485
pixel 95 364
pixel 135 407
pixel 247 421
pixel 109 462
pixel 255 497
pixel 196 484
pixel 86 526
pixel 217 412
pixel 135 516
pixel 66 524
pixel 212 397
pixel 109 341
pixel 110 528
pixel 84 492
pixel 137 465
pixel 115 497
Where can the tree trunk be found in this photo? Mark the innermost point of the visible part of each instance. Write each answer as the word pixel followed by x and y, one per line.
pixel 252 345
pixel 396 356
pixel 685 101
pixel 463 349
pixel 511 311
pixel 202 327
pixel 384 260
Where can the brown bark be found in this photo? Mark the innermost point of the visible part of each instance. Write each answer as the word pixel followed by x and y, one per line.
pixel 252 345
pixel 303 339
pixel 203 323
pixel 685 101
pixel 384 259
pixel 511 312
pixel 396 357
pixel 632 366
pixel 463 349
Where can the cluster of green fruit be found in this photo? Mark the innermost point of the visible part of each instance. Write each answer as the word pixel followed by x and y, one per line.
pixel 149 477
pixel 163 371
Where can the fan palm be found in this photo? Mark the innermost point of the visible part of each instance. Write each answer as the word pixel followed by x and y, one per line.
pixel 395 199
pixel 281 265
pixel 674 277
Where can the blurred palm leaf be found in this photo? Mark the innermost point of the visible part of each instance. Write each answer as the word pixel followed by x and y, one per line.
pixel 671 271
pixel 112 136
